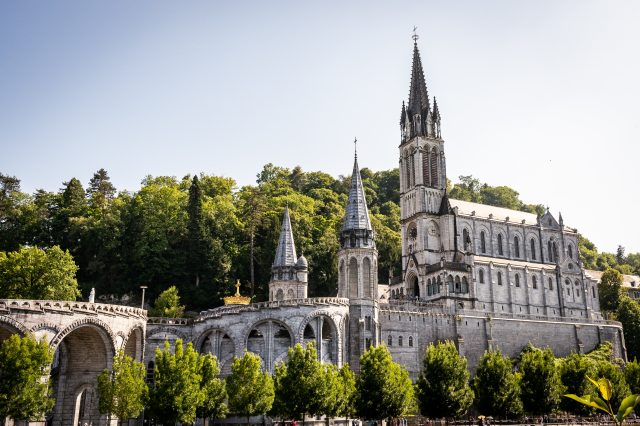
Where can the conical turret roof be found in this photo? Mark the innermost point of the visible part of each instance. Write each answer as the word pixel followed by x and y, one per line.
pixel 418 95
pixel 357 213
pixel 286 251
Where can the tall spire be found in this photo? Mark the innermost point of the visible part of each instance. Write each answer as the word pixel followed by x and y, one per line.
pixel 357 213
pixel 418 95
pixel 286 251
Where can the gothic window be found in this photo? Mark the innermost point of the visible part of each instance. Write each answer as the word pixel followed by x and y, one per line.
pixel 593 292
pixel 533 249
pixel 516 245
pixel 550 283
pixel 352 239
pixel 465 285
pixel 570 251
pixel 534 282
pixel 450 283
pixel 429 287
pixel 466 241
pixel 341 275
pixel 412 168
pixel 550 250
pixel 366 277
pixel 499 278
pixel 410 341
pixel 367 323
pixel 425 168
pixel 439 288
pixel 399 340
pixel 483 242
pixel 353 277
pixel 407 171
pixel 555 251
pixel 457 285
pixel 481 276
pixel 500 251
pixel 389 341
pixel 434 168
pixel 517 280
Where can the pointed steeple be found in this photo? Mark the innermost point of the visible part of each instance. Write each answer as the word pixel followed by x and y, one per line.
pixel 286 251
pixel 403 114
pixel 436 111
pixel 357 213
pixel 418 95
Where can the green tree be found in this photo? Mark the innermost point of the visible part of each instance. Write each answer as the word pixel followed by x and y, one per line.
pixel 628 313
pixel 122 391
pixel 574 370
pixel 177 391
pixel 250 390
pixel 301 386
pixel 443 384
pixel 384 387
pixel 167 305
pixel 540 384
pixel 610 289
pixel 33 273
pixel 101 191
pixel 497 387
pixel 197 239
pixel 616 377
pixel 213 388
pixel 24 362
pixel 632 376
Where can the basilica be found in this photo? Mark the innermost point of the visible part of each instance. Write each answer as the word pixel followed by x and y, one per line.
pixel 480 276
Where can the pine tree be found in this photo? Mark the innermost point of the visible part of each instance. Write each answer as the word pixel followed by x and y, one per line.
pixel 197 247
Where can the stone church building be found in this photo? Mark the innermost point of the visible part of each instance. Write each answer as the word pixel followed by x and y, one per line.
pixel 481 276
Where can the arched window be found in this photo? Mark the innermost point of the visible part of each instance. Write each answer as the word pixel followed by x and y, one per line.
pixel 412 168
pixel 410 341
pixel 481 276
pixel 407 171
pixel 399 340
pixel 389 341
pixel 517 280
pixel 367 278
pixel 516 245
pixel 555 251
pixel 434 168
pixel 593 292
pixel 534 282
pixel 500 251
pixel 439 288
pixel 483 242
pixel 426 177
pixel 457 281
pixel 465 285
pixel 570 251
pixel 499 278
pixel 353 278
pixel 466 241
pixel 550 283
pixel 450 283
pixel 550 250
pixel 533 248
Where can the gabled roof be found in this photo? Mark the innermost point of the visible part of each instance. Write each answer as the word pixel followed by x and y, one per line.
pixel 467 208
pixel 357 213
pixel 286 251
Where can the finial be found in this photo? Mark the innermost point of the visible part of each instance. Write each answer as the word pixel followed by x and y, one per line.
pixel 237 288
pixel 355 147
pixel 415 35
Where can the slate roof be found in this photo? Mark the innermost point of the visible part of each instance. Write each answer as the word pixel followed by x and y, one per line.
pixel 286 251
pixel 357 213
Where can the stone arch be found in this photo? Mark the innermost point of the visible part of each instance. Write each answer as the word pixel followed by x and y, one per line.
pixel 353 278
pixel 328 339
pixel 172 330
pixel 9 326
pixel 432 236
pixel 466 240
pixel 413 287
pixel 290 294
pixel 84 349
pixel 270 339
pixel 134 343
pixel 219 343
pixel 280 295
pixel 85 400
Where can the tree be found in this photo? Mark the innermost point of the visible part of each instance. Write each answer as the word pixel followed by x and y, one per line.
pixel 574 371
pixel 540 384
pixel 384 387
pixel 122 391
pixel 101 191
pixel 615 375
pixel 301 386
pixel 213 388
pixel 24 362
pixel 610 289
pixel 632 376
pixel 606 392
pixel 167 305
pixel 197 239
pixel 443 384
pixel 496 386
pixel 628 313
pixel 33 273
pixel 177 393
pixel 250 390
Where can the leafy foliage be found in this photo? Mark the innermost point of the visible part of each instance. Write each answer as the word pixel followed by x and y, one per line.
pixel 168 304
pixel 123 391
pixel 443 385
pixel 213 389
pixel 540 384
pixel 33 273
pixel 574 372
pixel 632 376
pixel 610 289
pixel 23 363
pixel 497 387
pixel 384 387
pixel 251 390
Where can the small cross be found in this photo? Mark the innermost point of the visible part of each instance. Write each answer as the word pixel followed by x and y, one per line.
pixel 415 36
pixel 238 288
pixel 355 146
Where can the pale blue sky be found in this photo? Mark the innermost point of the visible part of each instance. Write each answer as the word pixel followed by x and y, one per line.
pixel 539 95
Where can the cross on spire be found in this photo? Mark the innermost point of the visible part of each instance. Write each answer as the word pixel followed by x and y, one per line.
pixel 355 147
pixel 415 35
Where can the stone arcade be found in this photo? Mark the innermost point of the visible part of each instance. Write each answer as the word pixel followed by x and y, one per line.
pixel 481 276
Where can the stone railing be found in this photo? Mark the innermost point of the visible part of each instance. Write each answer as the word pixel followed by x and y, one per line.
pixel 65 306
pixel 535 317
pixel 313 301
pixel 169 321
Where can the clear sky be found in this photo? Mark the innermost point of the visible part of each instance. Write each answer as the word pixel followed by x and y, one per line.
pixel 541 96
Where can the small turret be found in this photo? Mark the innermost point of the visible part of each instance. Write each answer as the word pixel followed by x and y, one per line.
pixel 288 273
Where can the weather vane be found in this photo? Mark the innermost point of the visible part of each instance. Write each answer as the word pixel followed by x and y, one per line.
pixel 415 35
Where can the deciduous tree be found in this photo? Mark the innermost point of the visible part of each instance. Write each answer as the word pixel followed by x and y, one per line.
pixel 122 391
pixel 250 390
pixel 628 313
pixel 213 388
pixel 168 305
pixel 610 289
pixel 496 386
pixel 540 384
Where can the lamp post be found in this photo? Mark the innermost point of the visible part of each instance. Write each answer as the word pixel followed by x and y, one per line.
pixel 143 287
